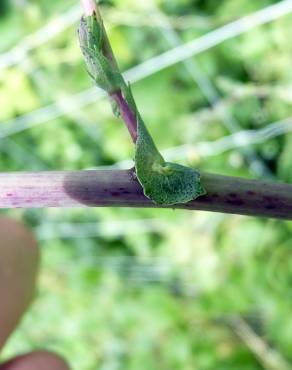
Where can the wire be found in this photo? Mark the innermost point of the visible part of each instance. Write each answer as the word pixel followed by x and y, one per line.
pixel 147 68
pixel 209 91
pixel 44 34
pixel 64 230
pixel 216 37
pixel 212 148
pixel 237 140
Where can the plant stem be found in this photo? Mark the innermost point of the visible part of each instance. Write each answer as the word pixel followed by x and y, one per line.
pixel 128 116
pixel 90 8
pixel 121 189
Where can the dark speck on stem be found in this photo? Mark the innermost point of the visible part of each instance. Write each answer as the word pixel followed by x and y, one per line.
pixel 251 193
pixel 235 202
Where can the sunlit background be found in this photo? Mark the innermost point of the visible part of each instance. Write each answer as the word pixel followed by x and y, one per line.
pixel 155 289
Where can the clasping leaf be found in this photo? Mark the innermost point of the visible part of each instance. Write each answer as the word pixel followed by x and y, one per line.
pixel 164 183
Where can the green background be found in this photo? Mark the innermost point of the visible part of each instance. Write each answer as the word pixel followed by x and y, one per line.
pixel 152 289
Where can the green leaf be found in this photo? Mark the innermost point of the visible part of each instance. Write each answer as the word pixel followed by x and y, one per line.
pixel 99 67
pixel 164 183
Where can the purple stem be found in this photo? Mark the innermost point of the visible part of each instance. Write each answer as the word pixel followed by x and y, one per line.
pixel 127 114
pixel 121 189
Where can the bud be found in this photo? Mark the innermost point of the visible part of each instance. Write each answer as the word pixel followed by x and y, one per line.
pixel 97 54
pixel 90 42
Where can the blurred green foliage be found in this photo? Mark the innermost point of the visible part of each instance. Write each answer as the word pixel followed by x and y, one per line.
pixel 152 289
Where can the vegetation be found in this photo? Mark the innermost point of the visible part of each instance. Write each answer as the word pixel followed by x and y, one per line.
pixel 141 288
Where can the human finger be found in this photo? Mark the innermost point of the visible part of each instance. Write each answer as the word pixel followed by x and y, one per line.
pixel 18 269
pixel 40 360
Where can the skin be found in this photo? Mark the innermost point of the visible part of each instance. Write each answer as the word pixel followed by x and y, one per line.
pixel 19 259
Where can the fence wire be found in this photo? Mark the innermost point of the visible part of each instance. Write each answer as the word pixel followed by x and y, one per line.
pixel 180 52
pixel 148 68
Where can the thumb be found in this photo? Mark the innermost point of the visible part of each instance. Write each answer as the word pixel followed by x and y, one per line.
pixel 40 360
